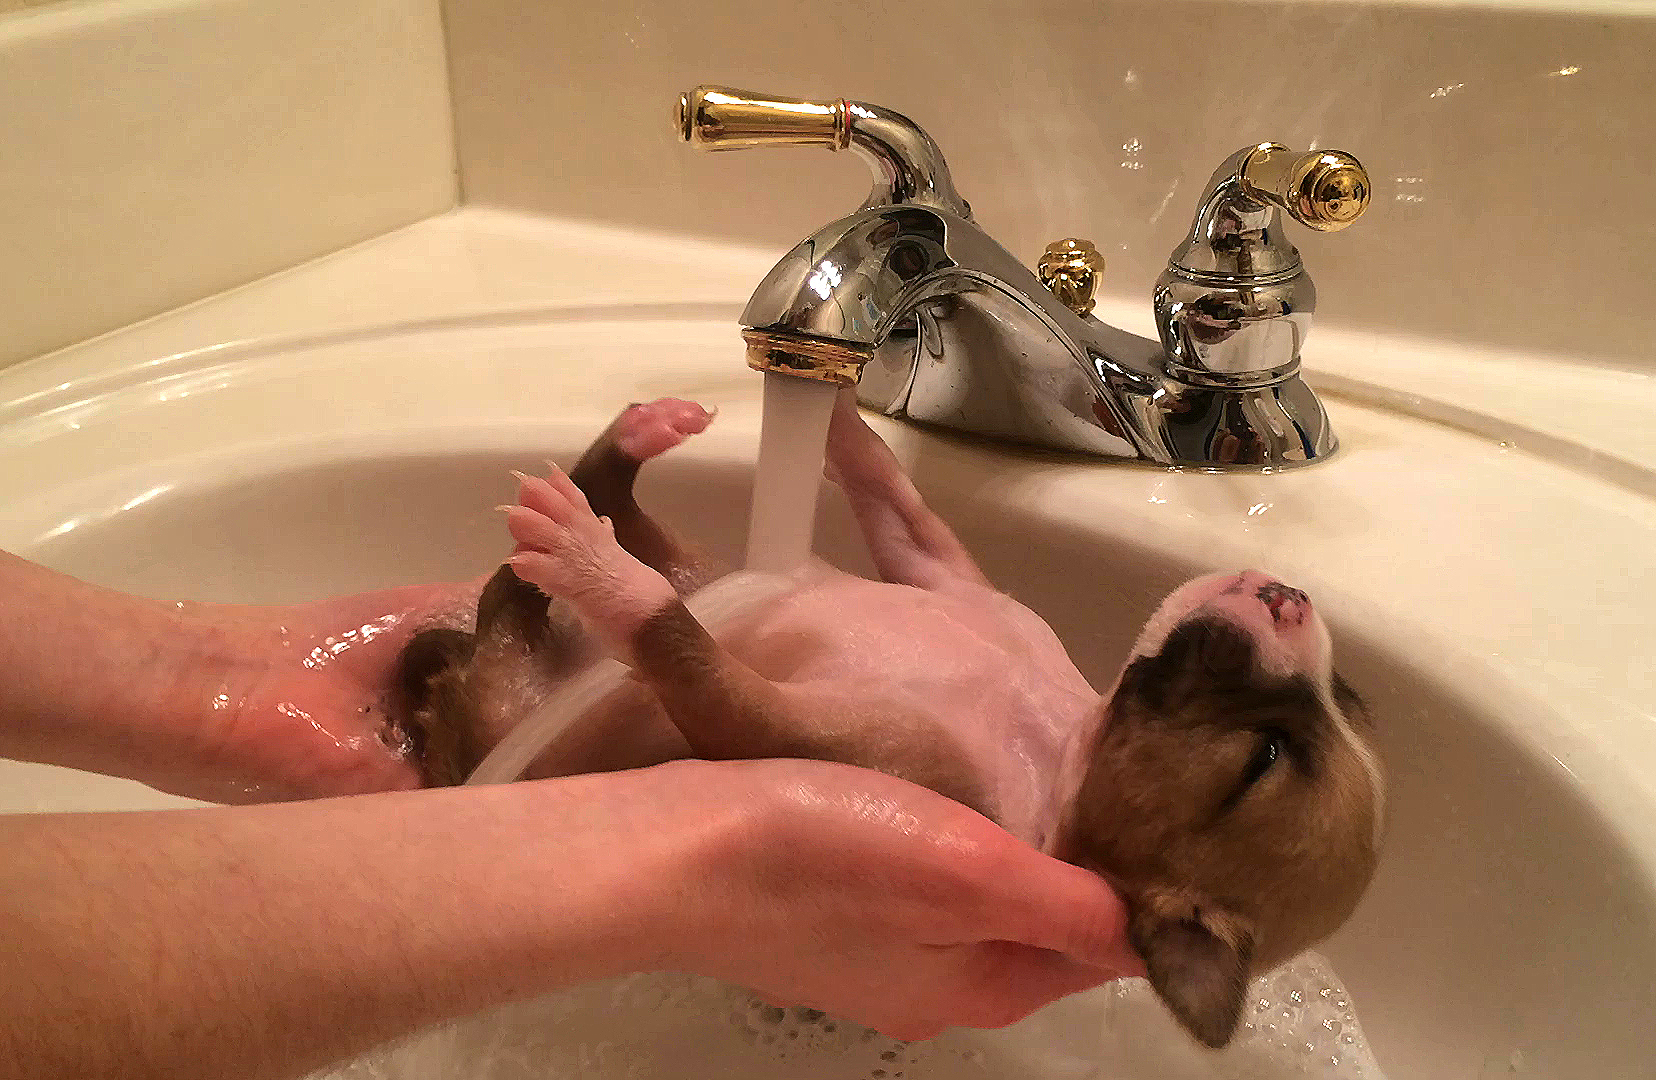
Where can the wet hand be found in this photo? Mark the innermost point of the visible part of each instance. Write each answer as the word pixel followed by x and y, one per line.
pixel 881 902
pixel 297 701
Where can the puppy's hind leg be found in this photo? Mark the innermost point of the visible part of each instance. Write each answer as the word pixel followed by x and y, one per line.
pixel 910 544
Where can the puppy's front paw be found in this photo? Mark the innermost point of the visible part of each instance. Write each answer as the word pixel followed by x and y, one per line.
pixel 570 553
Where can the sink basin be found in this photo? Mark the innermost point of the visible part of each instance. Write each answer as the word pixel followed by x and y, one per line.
pixel 1512 925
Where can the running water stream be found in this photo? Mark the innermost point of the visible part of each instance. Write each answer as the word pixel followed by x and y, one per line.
pixel 789 473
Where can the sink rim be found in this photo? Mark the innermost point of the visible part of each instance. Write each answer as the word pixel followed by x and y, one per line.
pixel 28 402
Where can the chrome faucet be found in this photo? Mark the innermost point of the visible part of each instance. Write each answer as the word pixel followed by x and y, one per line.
pixel 936 322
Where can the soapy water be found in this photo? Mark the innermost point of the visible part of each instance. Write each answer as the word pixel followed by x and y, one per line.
pixel 1300 1022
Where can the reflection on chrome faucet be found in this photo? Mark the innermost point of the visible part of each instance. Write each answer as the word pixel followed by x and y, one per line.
pixel 936 322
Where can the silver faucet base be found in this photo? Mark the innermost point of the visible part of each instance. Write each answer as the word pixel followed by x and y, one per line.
pixel 945 368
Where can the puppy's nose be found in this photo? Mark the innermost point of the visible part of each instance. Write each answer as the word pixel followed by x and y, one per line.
pixel 1288 606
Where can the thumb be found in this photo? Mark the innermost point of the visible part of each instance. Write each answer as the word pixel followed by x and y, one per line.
pixel 1069 911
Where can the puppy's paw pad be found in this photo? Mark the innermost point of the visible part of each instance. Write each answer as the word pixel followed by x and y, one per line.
pixel 644 431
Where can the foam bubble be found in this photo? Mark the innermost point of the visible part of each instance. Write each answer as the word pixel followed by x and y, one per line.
pixel 1299 1023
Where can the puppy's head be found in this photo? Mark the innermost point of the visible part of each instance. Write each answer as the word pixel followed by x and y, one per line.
pixel 1232 794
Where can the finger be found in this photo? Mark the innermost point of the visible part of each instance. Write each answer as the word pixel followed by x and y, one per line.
pixel 531 529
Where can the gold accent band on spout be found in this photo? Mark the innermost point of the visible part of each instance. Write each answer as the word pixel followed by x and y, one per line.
pixel 810 358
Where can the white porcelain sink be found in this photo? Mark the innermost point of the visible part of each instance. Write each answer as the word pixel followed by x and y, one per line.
pixel 1486 601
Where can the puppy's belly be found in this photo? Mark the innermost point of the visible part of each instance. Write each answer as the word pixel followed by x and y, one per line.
pixel 629 731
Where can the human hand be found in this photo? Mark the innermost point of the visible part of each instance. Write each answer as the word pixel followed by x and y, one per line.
pixel 872 899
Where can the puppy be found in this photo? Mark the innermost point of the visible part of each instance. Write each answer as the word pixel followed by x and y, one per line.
pixel 1227 785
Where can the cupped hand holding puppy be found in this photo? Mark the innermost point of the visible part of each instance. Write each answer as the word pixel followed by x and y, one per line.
pixel 266 940
pixel 865 896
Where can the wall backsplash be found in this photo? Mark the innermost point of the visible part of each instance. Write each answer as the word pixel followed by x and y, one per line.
pixel 1510 147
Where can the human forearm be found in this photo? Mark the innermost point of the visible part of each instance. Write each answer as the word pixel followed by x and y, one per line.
pixel 265 941
pixel 230 703
pixel 89 673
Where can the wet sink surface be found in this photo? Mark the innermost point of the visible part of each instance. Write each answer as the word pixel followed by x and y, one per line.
pixel 1512 927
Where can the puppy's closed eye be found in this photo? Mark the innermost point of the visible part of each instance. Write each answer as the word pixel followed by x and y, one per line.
pixel 1272 745
pixel 1270 748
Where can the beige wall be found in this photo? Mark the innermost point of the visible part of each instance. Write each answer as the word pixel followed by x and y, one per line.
pixel 158 151
pixel 168 149
pixel 1511 148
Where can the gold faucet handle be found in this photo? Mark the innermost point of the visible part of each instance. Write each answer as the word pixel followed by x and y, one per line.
pixel 1325 189
pixel 724 118
pixel 1072 269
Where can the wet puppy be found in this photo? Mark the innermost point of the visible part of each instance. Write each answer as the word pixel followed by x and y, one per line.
pixel 1227 785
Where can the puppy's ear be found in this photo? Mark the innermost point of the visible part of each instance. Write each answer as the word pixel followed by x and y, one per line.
pixel 1197 956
